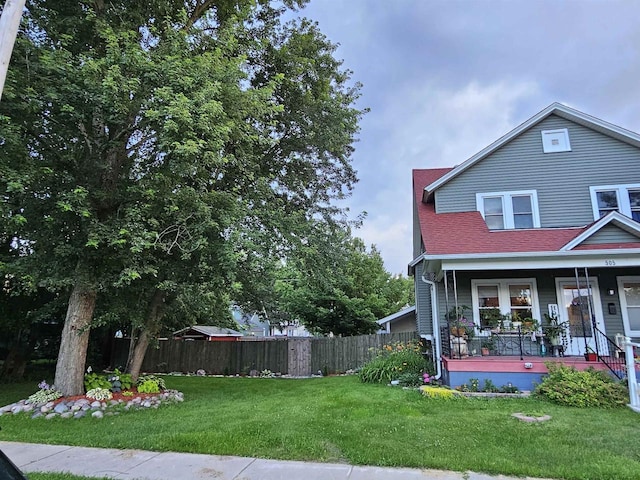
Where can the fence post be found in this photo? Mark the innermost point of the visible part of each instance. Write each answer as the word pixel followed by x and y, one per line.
pixel 634 400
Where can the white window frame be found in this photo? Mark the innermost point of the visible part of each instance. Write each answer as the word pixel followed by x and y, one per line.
pixel 622 192
pixel 503 295
pixel 507 206
pixel 561 135
pixel 623 304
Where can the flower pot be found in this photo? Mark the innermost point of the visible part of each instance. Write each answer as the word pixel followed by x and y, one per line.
pixel 458 331
pixel 590 357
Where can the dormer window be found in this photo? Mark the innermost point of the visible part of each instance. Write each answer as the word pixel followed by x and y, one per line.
pixel 621 198
pixel 509 210
pixel 555 141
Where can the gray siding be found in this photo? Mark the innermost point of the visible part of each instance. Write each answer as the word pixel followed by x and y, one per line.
pixel 611 234
pixel 423 304
pixel 562 180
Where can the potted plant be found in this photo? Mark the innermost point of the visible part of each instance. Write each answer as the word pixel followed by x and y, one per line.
pixel 554 330
pixel 487 345
pixel 459 325
pixel 490 318
pixel 590 355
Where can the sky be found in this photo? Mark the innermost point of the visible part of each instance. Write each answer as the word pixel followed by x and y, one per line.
pixel 446 78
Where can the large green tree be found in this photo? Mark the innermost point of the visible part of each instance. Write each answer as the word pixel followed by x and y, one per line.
pixel 343 291
pixel 146 136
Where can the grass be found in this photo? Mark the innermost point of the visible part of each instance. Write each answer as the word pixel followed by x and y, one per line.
pixel 339 419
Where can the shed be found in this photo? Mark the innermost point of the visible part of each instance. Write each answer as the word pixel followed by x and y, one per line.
pixel 207 333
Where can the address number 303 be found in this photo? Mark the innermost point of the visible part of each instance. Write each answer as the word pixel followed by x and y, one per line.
pixel 610 263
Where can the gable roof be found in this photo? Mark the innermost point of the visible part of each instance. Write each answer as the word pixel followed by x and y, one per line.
pixel 612 218
pixel 210 331
pixel 467 232
pixel 558 109
pixel 398 315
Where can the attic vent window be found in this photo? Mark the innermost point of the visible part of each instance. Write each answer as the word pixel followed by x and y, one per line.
pixel 555 141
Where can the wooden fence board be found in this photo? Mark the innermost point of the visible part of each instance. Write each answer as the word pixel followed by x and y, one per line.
pixel 311 355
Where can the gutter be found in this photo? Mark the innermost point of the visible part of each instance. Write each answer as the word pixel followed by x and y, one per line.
pixel 437 358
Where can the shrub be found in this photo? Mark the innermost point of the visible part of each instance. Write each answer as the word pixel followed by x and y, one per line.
pixel 393 361
pixel 119 381
pixel 45 394
pixel 410 379
pixel 148 386
pixel 439 392
pixel 93 380
pixel 99 394
pixel 145 382
pixel 587 388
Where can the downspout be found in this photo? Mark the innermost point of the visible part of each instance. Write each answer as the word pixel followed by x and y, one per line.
pixel 436 327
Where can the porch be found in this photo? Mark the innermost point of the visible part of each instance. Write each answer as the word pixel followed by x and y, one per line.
pixel 509 370
pixel 517 358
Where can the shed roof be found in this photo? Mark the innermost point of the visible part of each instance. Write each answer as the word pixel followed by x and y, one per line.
pixel 211 331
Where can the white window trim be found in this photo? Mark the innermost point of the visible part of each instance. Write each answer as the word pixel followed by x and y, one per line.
pixel 623 305
pixel 507 207
pixel 560 133
pixel 503 293
pixel 622 193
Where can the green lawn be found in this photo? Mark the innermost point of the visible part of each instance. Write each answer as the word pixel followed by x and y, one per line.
pixel 339 419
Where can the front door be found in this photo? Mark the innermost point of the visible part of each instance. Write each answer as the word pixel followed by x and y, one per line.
pixel 577 305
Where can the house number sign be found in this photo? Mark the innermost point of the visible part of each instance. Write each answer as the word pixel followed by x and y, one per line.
pixel 609 263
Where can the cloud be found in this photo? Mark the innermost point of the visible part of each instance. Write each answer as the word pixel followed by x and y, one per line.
pixel 424 126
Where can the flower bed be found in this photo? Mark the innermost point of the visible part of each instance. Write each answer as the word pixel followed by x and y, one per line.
pixel 81 406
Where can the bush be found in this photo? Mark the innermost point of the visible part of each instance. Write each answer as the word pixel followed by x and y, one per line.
pixel 150 384
pixel 587 388
pixel 45 394
pixel 93 380
pixel 100 394
pixel 394 361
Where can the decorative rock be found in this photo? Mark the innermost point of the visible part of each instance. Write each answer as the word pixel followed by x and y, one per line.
pixel 97 414
pixel 146 404
pixel 16 409
pixel 51 415
pixel 96 404
pixel 45 408
pixel 75 407
pixel 36 415
pixel 60 408
pixel 524 418
pixel 80 414
pixel 68 414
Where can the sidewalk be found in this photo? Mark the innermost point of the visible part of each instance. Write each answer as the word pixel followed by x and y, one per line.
pixel 143 465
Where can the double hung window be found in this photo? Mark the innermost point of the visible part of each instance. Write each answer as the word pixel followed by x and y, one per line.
pixel 509 210
pixel 513 297
pixel 621 198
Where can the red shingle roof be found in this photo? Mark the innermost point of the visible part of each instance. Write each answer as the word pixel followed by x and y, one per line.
pixel 467 233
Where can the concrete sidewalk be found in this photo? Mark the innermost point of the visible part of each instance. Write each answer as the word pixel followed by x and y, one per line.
pixel 143 465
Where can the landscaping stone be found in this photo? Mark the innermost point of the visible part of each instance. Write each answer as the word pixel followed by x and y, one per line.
pixel 80 407
pixel 524 418
pixel 97 414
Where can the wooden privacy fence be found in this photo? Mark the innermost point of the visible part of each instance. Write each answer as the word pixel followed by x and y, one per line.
pixel 293 356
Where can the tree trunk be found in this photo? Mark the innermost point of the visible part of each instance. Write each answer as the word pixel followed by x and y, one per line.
pixel 69 379
pixel 148 331
pixel 139 352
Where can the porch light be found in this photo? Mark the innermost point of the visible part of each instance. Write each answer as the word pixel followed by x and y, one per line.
pixel 611 292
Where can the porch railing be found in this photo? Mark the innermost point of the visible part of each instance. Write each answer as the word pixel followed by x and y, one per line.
pixel 609 353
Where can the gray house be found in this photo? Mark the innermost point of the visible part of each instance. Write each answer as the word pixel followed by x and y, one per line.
pixel 533 246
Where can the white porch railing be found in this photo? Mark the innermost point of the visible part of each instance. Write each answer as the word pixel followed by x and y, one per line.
pixel 634 391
